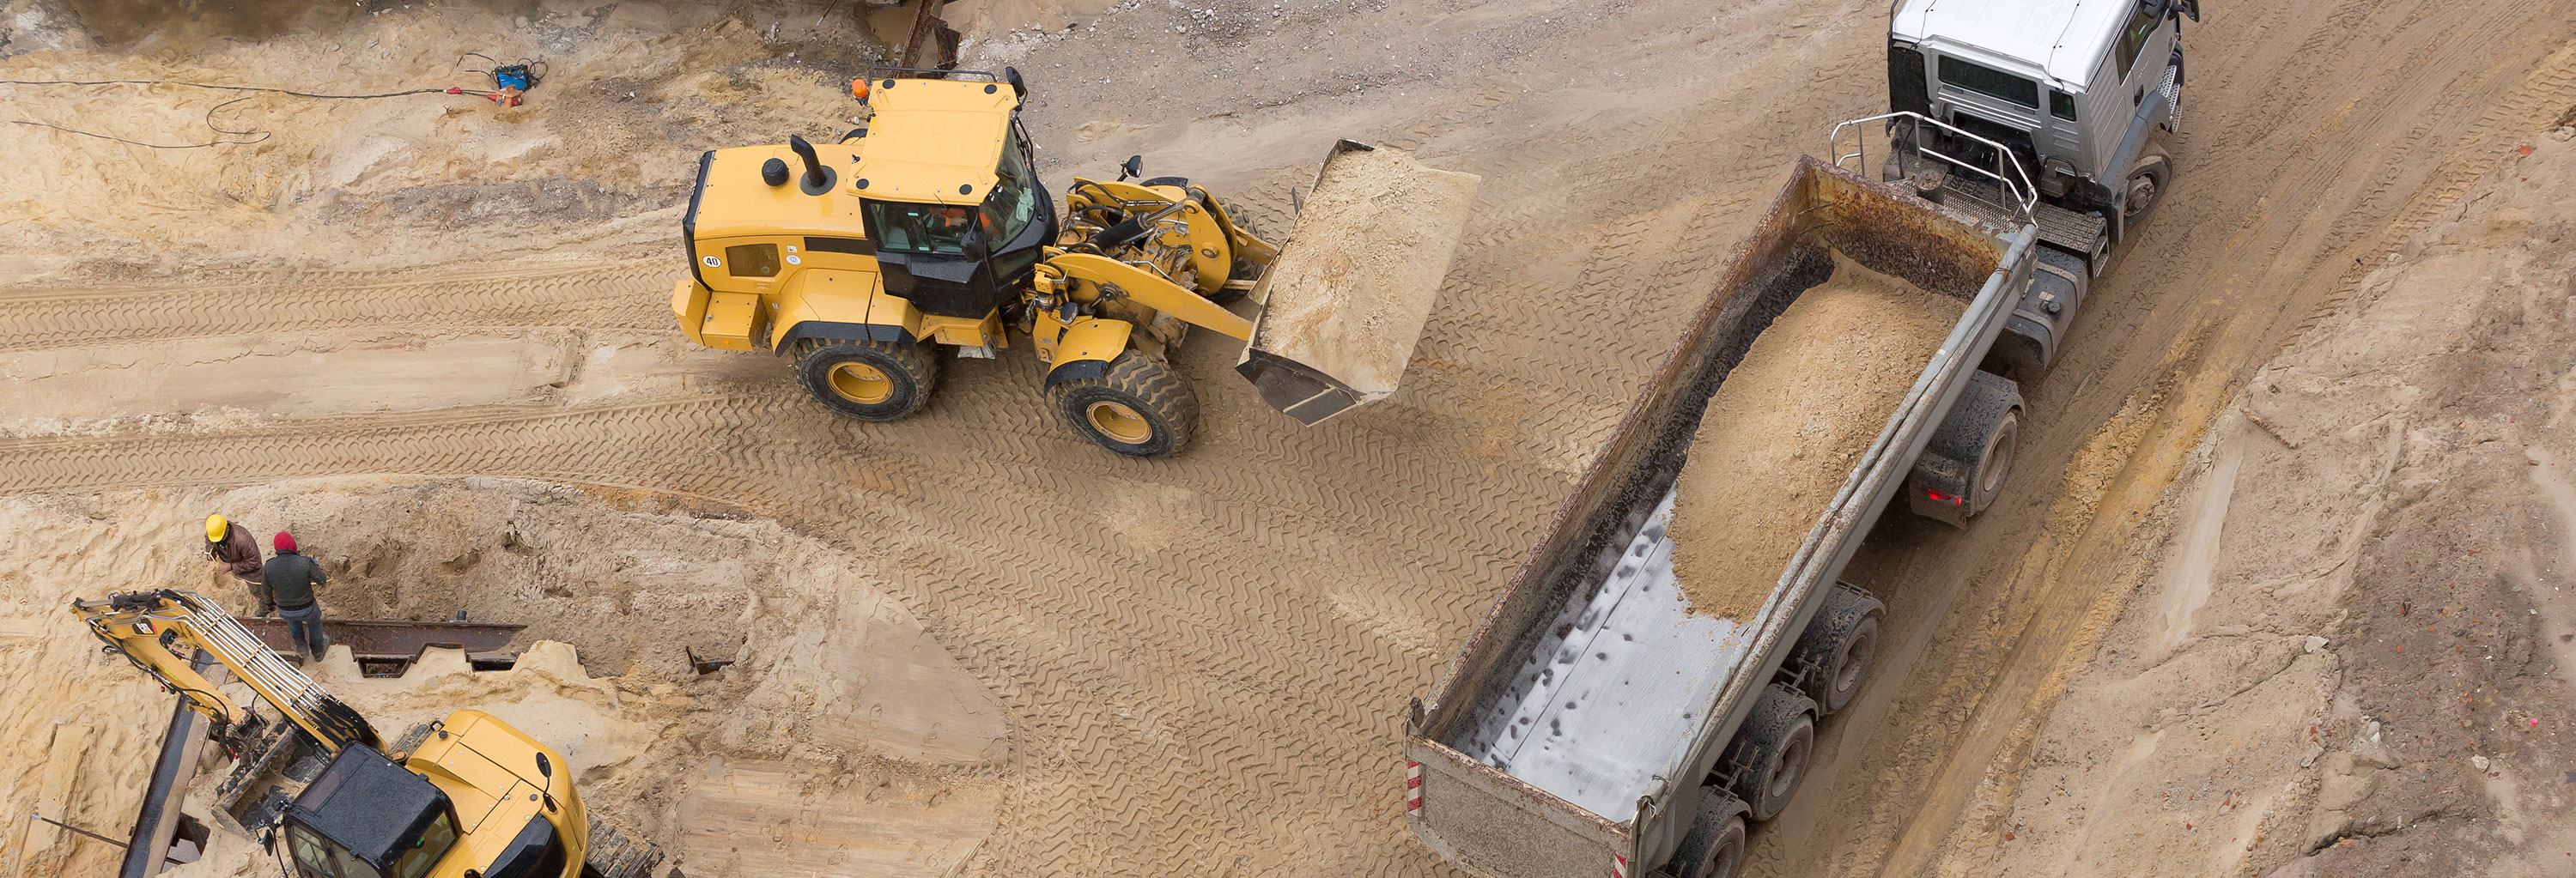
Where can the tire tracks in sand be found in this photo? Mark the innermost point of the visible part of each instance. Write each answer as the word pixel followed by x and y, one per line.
pixel 1206 658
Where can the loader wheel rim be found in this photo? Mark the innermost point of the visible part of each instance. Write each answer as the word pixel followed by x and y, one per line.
pixel 1118 422
pixel 862 383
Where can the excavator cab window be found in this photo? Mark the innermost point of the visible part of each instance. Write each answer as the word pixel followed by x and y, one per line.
pixel 317 857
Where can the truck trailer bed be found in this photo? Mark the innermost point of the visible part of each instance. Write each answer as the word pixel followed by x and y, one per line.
pixel 1562 737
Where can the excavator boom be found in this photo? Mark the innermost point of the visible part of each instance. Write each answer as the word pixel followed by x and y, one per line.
pixel 152 629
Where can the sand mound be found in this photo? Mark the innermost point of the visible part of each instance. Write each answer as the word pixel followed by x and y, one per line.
pixel 1784 429
pixel 842 741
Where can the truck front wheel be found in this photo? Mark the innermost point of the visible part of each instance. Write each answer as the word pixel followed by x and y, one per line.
pixel 2148 178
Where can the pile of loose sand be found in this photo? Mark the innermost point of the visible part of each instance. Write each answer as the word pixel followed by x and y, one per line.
pixel 1352 288
pixel 1785 427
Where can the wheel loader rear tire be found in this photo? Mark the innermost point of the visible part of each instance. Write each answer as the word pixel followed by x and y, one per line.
pixel 1139 408
pixel 867 380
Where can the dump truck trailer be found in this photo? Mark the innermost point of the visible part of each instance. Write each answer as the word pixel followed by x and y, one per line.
pixel 1594 725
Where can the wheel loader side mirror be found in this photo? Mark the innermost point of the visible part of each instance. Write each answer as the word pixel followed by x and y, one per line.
pixel 1133 167
pixel 1019 88
pixel 545 767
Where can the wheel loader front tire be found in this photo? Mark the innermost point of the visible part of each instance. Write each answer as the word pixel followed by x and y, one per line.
pixel 1139 407
pixel 867 380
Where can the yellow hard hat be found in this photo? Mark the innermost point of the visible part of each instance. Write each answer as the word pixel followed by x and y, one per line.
pixel 215 527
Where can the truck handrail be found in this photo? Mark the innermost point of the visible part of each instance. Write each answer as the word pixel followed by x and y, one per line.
pixel 2022 197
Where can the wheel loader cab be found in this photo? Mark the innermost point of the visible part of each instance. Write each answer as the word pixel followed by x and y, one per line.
pixel 928 223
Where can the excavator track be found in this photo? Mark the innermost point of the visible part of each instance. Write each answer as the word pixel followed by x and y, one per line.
pixel 616 852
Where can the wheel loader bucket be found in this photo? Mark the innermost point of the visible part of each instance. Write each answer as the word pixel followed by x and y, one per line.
pixel 1346 299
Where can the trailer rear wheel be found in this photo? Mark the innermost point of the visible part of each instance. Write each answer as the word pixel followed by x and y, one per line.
pixel 1833 655
pixel 1714 847
pixel 1775 746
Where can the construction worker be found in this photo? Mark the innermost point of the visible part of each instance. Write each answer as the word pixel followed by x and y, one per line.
pixel 236 549
pixel 292 579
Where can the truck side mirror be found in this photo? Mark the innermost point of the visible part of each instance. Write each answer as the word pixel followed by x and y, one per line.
pixel 2191 9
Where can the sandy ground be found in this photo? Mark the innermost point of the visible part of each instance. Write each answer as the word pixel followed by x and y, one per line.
pixel 2353 656
pixel 1201 662
pixel 1789 424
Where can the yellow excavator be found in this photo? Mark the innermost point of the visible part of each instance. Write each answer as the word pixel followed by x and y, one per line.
pixel 463 797
pixel 928 231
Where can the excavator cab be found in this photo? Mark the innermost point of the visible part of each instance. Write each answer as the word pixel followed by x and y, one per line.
pixel 367 817
pixel 468 796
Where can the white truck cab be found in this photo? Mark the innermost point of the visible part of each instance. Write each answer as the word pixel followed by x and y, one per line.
pixel 2076 91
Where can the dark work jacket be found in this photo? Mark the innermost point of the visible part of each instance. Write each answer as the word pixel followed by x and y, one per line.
pixel 238 552
pixel 291 579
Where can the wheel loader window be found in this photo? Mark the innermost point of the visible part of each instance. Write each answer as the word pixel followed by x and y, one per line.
pixel 1988 81
pixel 752 260
pixel 937 229
pixel 1013 203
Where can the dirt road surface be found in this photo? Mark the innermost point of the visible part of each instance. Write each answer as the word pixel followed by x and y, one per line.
pixel 1203 661
pixel 2351 654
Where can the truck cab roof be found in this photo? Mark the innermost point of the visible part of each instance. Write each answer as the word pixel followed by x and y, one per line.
pixel 2061 40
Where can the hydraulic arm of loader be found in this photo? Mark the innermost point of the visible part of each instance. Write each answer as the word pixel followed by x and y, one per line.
pixel 152 629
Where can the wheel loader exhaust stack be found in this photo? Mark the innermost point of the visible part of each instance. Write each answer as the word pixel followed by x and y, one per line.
pixel 928 232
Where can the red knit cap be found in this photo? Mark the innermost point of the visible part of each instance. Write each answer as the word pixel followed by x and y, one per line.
pixel 285 542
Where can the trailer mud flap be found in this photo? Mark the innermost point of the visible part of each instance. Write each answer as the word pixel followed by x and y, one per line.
pixel 1347 298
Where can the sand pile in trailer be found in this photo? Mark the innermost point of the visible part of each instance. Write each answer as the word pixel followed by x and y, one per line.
pixel 1786 426
pixel 842 741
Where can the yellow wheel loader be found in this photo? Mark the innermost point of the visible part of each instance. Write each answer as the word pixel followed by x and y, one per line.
pixel 928 231
pixel 464 797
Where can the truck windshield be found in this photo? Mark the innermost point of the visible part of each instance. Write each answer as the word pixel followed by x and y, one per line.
pixel 938 229
pixel 1988 81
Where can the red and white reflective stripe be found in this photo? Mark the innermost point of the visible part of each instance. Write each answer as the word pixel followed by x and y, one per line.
pixel 1618 866
pixel 1412 786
